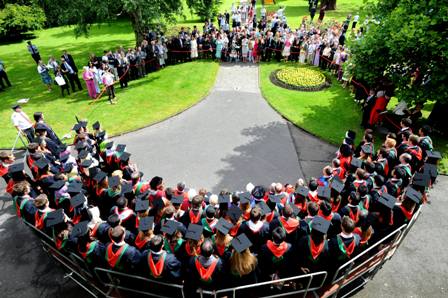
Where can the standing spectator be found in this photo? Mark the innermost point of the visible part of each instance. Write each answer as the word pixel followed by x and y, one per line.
pixel 69 59
pixel 71 74
pixel 313 9
pixel 3 76
pixel 355 20
pixel 123 70
pixel 108 81
pixel 96 76
pixel 88 77
pixel 194 48
pixel 59 78
pixel 53 64
pixel 44 72
pixel 22 122
pixel 321 14
pixel 32 49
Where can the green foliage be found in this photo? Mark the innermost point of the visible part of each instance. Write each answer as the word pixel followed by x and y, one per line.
pixel 16 19
pixel 406 45
pixel 206 9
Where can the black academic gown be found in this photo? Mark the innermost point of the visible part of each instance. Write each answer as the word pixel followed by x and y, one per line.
pixel 281 265
pixel 129 261
pixel 337 256
pixel 194 279
pixel 257 238
pixel 26 208
pixel 305 258
pixel 172 267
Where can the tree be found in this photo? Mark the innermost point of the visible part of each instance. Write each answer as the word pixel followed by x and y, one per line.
pixel 142 13
pixel 206 9
pixel 16 19
pixel 406 45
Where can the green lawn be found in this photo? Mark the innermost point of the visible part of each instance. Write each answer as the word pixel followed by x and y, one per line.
pixel 147 100
pixel 327 114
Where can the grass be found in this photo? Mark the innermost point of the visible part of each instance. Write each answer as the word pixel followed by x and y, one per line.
pixel 328 113
pixel 148 100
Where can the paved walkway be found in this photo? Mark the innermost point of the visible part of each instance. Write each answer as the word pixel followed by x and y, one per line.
pixel 231 138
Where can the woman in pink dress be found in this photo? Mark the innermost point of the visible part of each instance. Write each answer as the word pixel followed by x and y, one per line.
pixel 87 76
pixel 255 52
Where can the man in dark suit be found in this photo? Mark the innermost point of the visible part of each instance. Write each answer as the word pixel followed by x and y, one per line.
pixel 69 59
pixel 70 74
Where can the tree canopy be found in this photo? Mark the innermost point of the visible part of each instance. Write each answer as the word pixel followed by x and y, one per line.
pixel 407 46
pixel 16 19
pixel 206 9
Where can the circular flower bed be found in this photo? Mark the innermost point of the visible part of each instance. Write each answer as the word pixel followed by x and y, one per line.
pixel 300 78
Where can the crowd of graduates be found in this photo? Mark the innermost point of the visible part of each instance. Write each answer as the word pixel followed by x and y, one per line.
pixel 92 200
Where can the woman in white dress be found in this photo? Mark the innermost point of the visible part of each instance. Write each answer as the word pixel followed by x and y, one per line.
pixel 244 48
pixel 194 48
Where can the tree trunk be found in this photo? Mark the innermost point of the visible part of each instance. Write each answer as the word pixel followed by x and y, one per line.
pixel 331 4
pixel 438 118
pixel 137 26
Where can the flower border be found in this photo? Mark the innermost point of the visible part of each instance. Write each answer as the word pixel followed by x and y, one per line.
pixel 276 81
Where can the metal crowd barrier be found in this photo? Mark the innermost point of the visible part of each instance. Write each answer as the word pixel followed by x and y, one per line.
pixel 301 284
pixel 348 278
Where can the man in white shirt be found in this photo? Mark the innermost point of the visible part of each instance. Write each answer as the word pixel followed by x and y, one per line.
pixel 22 122
pixel 355 20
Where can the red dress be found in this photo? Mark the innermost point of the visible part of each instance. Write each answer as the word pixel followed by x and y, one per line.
pixel 380 106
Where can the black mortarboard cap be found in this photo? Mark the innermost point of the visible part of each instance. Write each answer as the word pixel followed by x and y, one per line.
pixel 76 127
pixel 86 163
pixel 169 227
pixel 431 170
pixel 414 195
pixel 15 168
pixel 433 156
pixel 320 224
pixel 275 198
pixel 83 123
pixel 421 179
pixel 68 167
pixel 264 207
pixel 54 217
pixel 83 154
pixel 126 188
pixel 40 127
pixel 146 223
pixel 57 185
pixel 258 192
pixel 100 136
pixel 241 242
pixel 295 209
pixel 350 134
pixel 114 181
pixel 99 176
pixel 194 232
pixel 125 156
pixel 80 145
pixel 337 185
pixel 141 205
pixel 356 162
pixel 74 187
pixel 80 229
pixel 387 200
pixel 78 200
pixel 120 148
pixel 109 145
pixel 96 125
pixel 367 149
pixel 223 226
pixel 348 141
pixel 42 163
pixel 302 191
pixel 64 158
pixel 177 199
pixel 223 199
pixel 244 197
pixel 93 171
pixel 324 192
pixel 143 196
pixel 234 213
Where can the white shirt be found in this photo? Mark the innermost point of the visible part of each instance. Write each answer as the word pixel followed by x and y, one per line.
pixel 355 18
pixel 21 121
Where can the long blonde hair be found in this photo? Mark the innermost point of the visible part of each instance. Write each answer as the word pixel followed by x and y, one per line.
pixel 243 263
